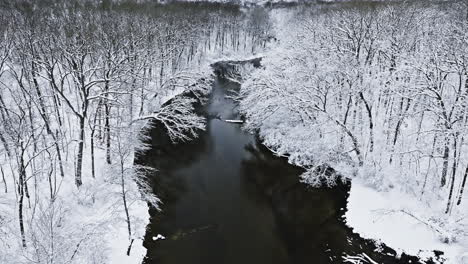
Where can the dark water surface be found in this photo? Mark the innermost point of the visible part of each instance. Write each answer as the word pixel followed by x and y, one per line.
pixel 227 199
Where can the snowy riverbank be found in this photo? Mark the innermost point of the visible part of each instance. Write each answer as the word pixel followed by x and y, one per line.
pixel 79 82
pixel 402 223
pixel 88 224
pixel 321 101
pixel 390 216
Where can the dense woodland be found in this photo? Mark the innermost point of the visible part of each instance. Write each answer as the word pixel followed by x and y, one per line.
pixel 377 92
pixel 79 82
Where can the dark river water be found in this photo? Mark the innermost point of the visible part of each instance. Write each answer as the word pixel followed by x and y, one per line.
pixel 227 199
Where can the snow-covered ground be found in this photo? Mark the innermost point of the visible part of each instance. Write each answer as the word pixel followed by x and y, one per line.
pixel 398 220
pixel 84 226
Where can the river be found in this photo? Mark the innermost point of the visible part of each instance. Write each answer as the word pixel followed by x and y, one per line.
pixel 227 199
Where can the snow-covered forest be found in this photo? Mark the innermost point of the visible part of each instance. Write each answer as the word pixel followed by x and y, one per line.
pixel 79 82
pixel 367 92
pixel 379 93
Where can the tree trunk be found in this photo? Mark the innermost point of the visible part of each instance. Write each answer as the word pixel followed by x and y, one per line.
pixel 454 171
pixel 348 107
pixel 5 144
pixel 443 179
pixel 107 134
pixel 124 198
pixel 79 158
pixel 93 168
pixel 52 188
pixel 371 123
pixel 59 157
pixel 460 195
pixel 354 141
pixel 21 192
pixel 397 128
pixel 107 108
pixel 45 118
pixel 5 116
pixel 420 126
pixel 4 180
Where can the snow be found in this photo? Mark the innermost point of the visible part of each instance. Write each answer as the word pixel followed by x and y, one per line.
pixel 385 203
pixel 89 223
pixel 234 121
pixel 266 2
pixel 119 246
pixel 244 2
pixel 90 220
pixel 361 258
pixel 382 216
pixel 159 237
pixel 399 203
